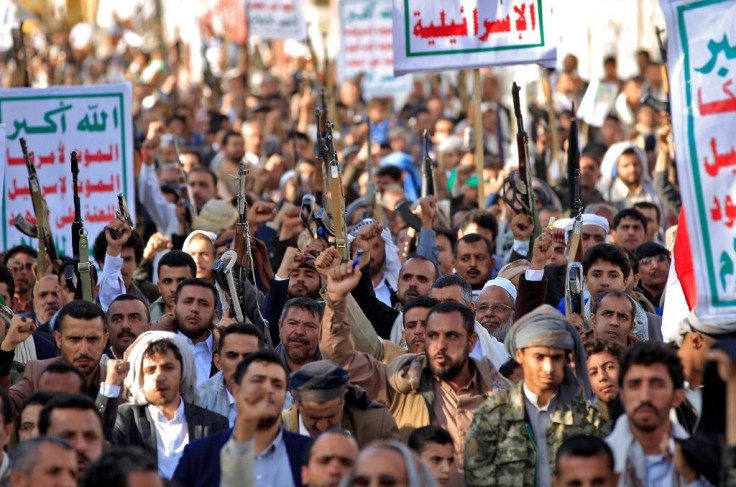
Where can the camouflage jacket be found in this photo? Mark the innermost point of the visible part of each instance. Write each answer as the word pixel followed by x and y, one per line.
pixel 500 449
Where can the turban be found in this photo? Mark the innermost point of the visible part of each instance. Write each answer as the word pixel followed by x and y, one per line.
pixel 319 381
pixel 544 327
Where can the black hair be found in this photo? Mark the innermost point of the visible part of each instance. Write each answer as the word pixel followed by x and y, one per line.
pixel 419 438
pixel 195 281
pixel 633 261
pixel 40 398
pixel 161 347
pixel 81 310
pixel 419 302
pixel 128 297
pixel 483 219
pixel 205 170
pixel 632 213
pixel 416 256
pixel 7 277
pixel 66 401
pixel 649 206
pixel 649 353
pixel 473 238
pixel 584 446
pixel 596 346
pixel 455 280
pixel 303 303
pixel 451 307
pixel 226 137
pixel 177 258
pixel 391 171
pixel 19 249
pixel 614 293
pixel 609 253
pixel 265 355
pixel 113 467
pixel 134 242
pixel 65 368
pixel 239 329
pixel 449 234
pixel 330 431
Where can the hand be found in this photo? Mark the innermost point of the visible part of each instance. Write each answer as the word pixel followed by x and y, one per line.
pixel 428 206
pixel 367 236
pixel 726 368
pixel 156 244
pixel 523 226
pixel 116 234
pixel 261 212
pixel 664 132
pixel 117 370
pixel 253 403
pixel 166 323
pixel 578 322
pixel 291 223
pixel 293 258
pixel 543 249
pixel 326 261
pixel 682 467
pixel 224 322
pixel 20 329
pixel 341 280
pixel 496 183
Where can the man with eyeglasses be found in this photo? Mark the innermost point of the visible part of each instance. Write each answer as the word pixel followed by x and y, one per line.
pixel 654 267
pixel 494 309
pixel 21 261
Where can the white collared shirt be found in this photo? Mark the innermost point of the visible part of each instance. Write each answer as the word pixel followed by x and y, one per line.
pixel 383 292
pixel 171 438
pixel 202 356
pixel 232 408
pixel 302 427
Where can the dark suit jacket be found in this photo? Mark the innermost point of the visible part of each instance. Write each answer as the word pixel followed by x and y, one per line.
pixel 134 425
pixel 556 275
pixel 200 463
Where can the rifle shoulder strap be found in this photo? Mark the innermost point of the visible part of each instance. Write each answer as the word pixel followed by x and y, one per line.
pixel 337 210
pixel 84 267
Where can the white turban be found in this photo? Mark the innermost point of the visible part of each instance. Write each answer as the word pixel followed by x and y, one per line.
pixel 504 284
pixel 134 355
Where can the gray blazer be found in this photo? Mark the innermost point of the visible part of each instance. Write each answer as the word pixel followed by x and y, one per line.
pixel 214 395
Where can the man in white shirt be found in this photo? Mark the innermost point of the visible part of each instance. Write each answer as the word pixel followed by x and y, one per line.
pixel 162 416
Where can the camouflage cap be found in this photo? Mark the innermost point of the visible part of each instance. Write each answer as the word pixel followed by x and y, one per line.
pixel 319 381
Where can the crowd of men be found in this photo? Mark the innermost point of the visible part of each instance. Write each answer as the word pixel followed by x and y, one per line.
pixel 439 355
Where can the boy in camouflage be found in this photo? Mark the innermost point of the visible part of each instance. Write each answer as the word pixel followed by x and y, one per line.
pixel 515 434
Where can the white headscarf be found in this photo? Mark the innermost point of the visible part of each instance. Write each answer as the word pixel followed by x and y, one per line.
pixel 134 355
pixel 392 264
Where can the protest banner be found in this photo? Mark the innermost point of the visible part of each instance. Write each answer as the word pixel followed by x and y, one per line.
pixel 95 122
pixel 701 52
pixel 276 19
pixel 597 102
pixel 367 48
pixel 456 34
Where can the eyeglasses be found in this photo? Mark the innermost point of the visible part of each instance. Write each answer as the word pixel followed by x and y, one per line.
pixel 496 308
pixel 382 480
pixel 657 258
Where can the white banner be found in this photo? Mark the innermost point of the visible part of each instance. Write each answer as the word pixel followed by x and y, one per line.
pixel 276 19
pixel 701 52
pixel 432 35
pixel 367 47
pixel 95 122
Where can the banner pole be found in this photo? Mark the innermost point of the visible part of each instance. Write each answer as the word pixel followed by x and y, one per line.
pixel 478 138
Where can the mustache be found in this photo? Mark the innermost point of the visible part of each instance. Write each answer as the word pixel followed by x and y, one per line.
pixel 126 333
pixel 299 339
pixel 645 405
pixel 84 357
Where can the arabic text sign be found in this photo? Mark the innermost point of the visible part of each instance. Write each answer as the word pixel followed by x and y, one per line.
pixel 367 47
pixel 702 64
pixel 452 34
pixel 94 121
pixel 276 19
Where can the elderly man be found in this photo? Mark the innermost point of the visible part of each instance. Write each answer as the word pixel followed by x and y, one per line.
pixel 46 298
pixel 390 462
pixel 494 309
pixel 163 414
pixel 324 400
pixel 299 329
pixel 515 433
